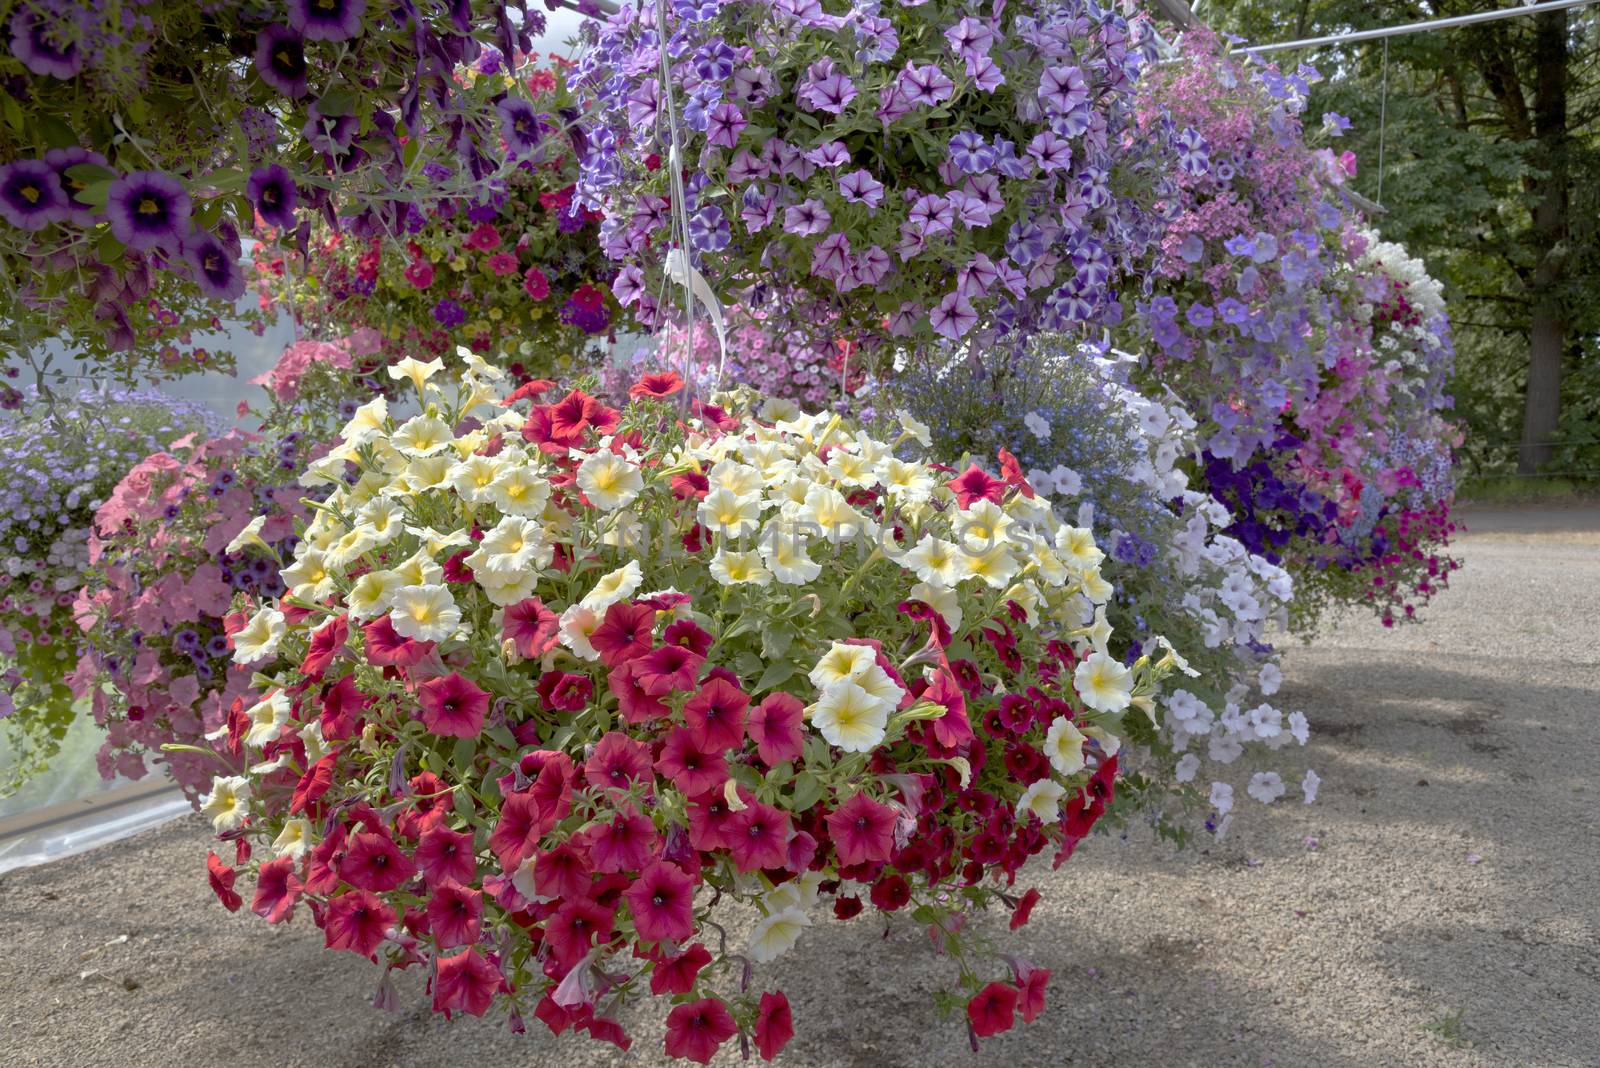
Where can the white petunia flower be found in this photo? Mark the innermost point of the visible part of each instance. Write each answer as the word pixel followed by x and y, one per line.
pixel 1266 787
pixel 731 514
pixel 415 371
pixel 422 435
pixel 1270 678
pixel 296 838
pixel 1188 766
pixel 1063 744
pixel 267 718
pixel 227 804
pixel 260 637
pixel 249 536
pixel 1037 426
pixel 1043 799
pixel 1105 684
pixel 850 717
pixel 775 935
pixel 577 623
pixel 1310 784
pixel 1221 798
pixel 935 561
pixel 425 613
pixel 609 481
pixel 613 587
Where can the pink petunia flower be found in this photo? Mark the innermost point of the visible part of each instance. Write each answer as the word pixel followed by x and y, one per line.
pixel 774 725
pixel 759 837
pixel 445 855
pixel 468 982
pixel 455 915
pixel 662 903
pixel 453 706
pixel 531 627
pixel 862 830
pixel 697 1029
pixel 715 715
pixel 618 761
pixel 358 921
pixel 624 844
pixel 692 769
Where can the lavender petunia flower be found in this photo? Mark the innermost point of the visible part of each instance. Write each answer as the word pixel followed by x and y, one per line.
pixel 148 209
pixel 272 191
pixel 953 316
pixel 977 277
pixel 970 152
pixel 806 218
pixel 724 125
pixel 31 196
pixel 926 86
pixel 970 211
pixel 1240 245
pixel 871 266
pixel 281 61
pixel 745 168
pixel 970 38
pixel 215 268
pixel 831 257
pixel 985 73
pixel 327 20
pixel 1062 89
pixel 825 89
pixel 1053 153
pixel 519 125
pixel 1233 312
pixel 708 229
pixel 43 48
pixel 931 214
pixel 877 39
pixel 1199 315
pixel 831 155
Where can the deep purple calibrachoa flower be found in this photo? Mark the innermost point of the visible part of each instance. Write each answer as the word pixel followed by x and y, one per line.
pixel 281 60
pixel 271 190
pixel 31 196
pixel 449 314
pixel 41 49
pixel 61 160
pixel 327 20
pixel 519 125
pixel 148 210
pixel 216 268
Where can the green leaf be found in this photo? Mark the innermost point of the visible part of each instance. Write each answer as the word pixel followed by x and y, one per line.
pixel 777 673
pixel 466 749
pixel 13 112
pixel 109 250
pixel 807 791
pixel 336 103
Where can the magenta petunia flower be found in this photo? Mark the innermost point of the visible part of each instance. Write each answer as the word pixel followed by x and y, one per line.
pixel 862 830
pixel 453 706
pixel 277 890
pixel 618 761
pixel 215 269
pixel 775 727
pixel 564 871
pixel 31 196
pixel 280 60
pixel 993 1009
pixel 974 484
pixel 633 703
pixel 668 669
pixel 774 1024
pixel 692 769
pixel 455 915
pixel 148 209
pixel 358 921
pixel 575 927
pixel 759 837
pixel 536 285
pixel 662 903
pixel 272 192
pixel 624 633
pixel 327 20
pixel 697 1029
pixel 44 47
pixel 624 844
pixel 676 975
pixel 715 715
pixel 467 982
pixel 530 627
pixel 445 855
pixel 373 862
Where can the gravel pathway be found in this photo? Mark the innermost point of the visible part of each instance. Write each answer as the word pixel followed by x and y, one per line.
pixel 1440 905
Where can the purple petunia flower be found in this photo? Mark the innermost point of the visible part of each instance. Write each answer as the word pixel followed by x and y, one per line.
pixel 1052 153
pixel 831 155
pixel 977 277
pixel 519 125
pixel 448 314
pixel 1199 315
pixel 31 196
pixel 708 229
pixel 1240 245
pixel 904 320
pixel 1234 313
pixel 271 190
pixel 970 211
pixel 831 257
pixel 724 125
pixel 1194 153
pixel 926 86
pixel 860 187
pixel 825 89
pixel 43 48
pixel 1062 89
pixel 148 209
pixel 970 38
pixel 215 268
pixel 1026 242
pixel 806 218
pixel 877 39
pixel 953 316
pixel 62 160
pixel 745 168
pixel 643 104
pixel 970 152
pixel 333 134
pixel 1008 163
pixel 1192 249
pixel 281 60
pixel 871 266
pixel 985 73
pixel 713 61
pixel 931 214
pixel 697 109
pixel 327 20
pixel 1266 247
pixel 759 209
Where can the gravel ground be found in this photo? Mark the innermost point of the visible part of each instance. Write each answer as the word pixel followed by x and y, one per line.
pixel 1437 906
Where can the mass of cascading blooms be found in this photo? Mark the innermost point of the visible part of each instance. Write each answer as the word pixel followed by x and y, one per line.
pixel 1317 371
pixel 143 137
pixel 61 458
pixel 890 172
pixel 792 366
pixel 1109 460
pixel 172 546
pixel 551 695
pixel 510 265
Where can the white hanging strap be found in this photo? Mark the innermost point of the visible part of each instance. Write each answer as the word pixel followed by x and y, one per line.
pixel 699 289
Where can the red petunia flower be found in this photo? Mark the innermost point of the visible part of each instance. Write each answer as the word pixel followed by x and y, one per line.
pixel 624 633
pixel 317 780
pixel 519 828
pixel 662 903
pixel 624 844
pixel 633 703
pixel 953 729
pixel 775 727
pixel 973 485
pixel 690 485
pixel 445 855
pixel 1031 1001
pixel 862 830
pixel 342 706
pixel 1011 471
pixel 221 877
pixel 532 389
pixel 466 982
pixel 692 769
pixel 890 893
pixel 430 802
pixel 358 921
pixel 455 915
pixel 667 669
pixel 993 1009
pixel 531 627
pixel 758 837
pixel 386 648
pixel 676 975
pixel 1024 910
pixel 711 822
pixel 774 1024
pixel 373 862
pixel 564 692
pixel 277 889
pixel 453 706
pixel 716 714
pixel 618 761
pixel 660 384
pixel 327 642
pixel 563 871
pixel 696 1029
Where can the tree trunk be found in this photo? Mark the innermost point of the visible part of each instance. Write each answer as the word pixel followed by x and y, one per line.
pixel 1541 414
